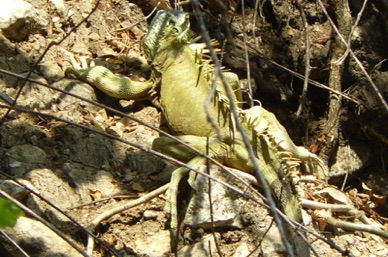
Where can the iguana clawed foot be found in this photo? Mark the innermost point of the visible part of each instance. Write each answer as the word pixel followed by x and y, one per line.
pixel 119 87
pixel 181 84
pixel 82 64
pixel 182 153
pixel 267 126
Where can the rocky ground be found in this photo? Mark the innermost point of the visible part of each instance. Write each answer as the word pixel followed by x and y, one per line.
pixel 84 159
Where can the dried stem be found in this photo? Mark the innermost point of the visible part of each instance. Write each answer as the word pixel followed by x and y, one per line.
pixel 307 58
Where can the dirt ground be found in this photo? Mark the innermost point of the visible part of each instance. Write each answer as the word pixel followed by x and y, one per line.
pixel 85 172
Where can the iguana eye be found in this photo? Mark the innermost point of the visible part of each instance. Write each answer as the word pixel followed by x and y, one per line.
pixel 177 29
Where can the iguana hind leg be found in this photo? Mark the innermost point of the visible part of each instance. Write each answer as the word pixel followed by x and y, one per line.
pixel 264 123
pixel 171 206
pixel 182 153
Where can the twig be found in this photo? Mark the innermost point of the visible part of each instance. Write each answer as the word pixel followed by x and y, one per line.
pixel 367 227
pixel 233 108
pixel 352 31
pixel 247 62
pixel 155 153
pixel 160 4
pixel 355 57
pixel 241 192
pixel 61 211
pixel 300 76
pixel 103 200
pixel 110 109
pixel 14 244
pixel 47 224
pixel 236 173
pixel 307 58
pixel 105 215
pixel 139 21
pixel 52 43
pixel 332 207
pixel 356 227
pixel 299 227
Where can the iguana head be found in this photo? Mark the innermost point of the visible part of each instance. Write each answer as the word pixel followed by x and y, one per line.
pixel 168 29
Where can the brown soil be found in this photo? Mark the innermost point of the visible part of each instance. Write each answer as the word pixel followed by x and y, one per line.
pixel 93 166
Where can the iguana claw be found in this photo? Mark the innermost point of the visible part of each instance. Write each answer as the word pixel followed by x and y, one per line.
pixel 181 83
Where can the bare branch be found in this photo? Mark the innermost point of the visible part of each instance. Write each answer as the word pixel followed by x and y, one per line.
pixel 307 57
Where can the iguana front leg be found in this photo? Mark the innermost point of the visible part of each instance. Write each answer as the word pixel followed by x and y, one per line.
pixel 119 87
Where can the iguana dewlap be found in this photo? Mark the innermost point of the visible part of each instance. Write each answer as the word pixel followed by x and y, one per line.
pixel 180 84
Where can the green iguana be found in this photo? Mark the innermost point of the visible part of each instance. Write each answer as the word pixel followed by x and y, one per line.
pixel 180 83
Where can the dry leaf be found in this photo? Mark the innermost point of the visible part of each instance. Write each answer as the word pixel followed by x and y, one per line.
pixel 321 217
pixel 95 194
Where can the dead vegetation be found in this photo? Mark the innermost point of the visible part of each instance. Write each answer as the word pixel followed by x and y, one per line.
pixel 319 66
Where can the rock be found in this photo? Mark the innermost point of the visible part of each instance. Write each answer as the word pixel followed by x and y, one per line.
pixel 225 203
pixel 28 157
pixel 60 6
pixel 89 179
pixel 206 247
pixel 11 131
pixel 18 19
pixel 242 250
pixel 349 158
pixel 80 89
pixel 51 71
pixel 51 186
pixel 378 183
pixel 94 36
pixel 155 245
pixel 106 183
pixel 106 52
pixel 80 48
pixel 38 240
pixel 150 228
pixel 91 151
pixel 135 186
pixel 8 50
pixel 152 215
pixel 13 189
pixel 272 244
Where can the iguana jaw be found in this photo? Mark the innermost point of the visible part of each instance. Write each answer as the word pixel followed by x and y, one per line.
pixel 167 29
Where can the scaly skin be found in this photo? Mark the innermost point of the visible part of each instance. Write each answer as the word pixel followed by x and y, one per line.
pixel 179 85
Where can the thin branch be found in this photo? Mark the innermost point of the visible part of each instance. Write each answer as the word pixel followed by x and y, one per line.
pixel 300 76
pixel 47 224
pixel 233 108
pixel 241 192
pixel 236 173
pixel 356 227
pixel 61 211
pixel 104 200
pixel 105 215
pixel 355 58
pixel 352 30
pixel 52 43
pixel 247 62
pixel 307 58
pixel 14 244
pixel 110 109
